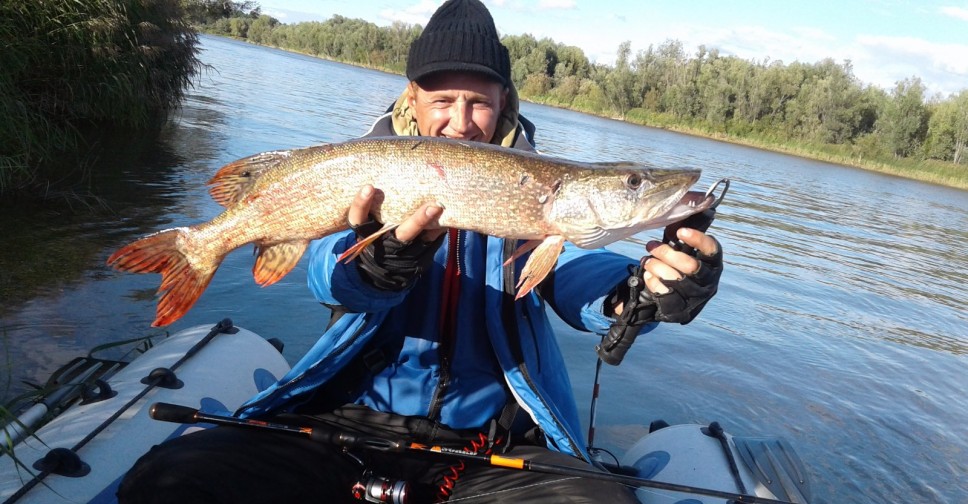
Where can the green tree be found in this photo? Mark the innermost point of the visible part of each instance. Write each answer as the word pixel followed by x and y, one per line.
pixel 201 12
pixel 825 105
pixel 947 136
pixel 715 93
pixel 260 28
pixel 619 83
pixel 903 123
pixel 571 62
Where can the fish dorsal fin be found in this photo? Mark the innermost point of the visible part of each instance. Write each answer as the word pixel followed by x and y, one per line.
pixel 276 260
pixel 235 179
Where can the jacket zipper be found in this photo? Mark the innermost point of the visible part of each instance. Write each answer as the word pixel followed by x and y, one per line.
pixel 448 322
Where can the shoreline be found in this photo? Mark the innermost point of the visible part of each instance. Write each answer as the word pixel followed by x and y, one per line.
pixel 902 171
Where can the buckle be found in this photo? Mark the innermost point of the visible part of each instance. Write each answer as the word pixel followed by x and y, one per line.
pixel 374 360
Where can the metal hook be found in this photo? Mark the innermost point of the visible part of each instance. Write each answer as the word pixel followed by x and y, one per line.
pixel 712 188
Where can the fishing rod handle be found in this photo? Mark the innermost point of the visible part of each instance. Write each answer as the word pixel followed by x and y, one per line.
pixel 166 412
pixel 638 310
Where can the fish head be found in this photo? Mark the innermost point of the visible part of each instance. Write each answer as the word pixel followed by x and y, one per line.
pixel 609 202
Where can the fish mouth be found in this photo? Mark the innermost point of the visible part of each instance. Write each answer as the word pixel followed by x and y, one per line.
pixel 692 203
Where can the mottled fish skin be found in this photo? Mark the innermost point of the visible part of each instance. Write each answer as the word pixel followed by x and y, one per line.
pixel 282 200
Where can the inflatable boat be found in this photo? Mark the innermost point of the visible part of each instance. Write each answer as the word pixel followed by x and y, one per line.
pixel 95 417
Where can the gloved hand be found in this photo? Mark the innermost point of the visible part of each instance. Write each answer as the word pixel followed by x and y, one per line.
pixel 683 294
pixel 390 264
pixel 687 296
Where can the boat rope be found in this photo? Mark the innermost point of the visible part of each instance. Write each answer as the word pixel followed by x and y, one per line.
pixel 153 380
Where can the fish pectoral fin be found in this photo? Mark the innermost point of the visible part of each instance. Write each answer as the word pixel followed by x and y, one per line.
pixel 182 280
pixel 275 261
pixel 356 249
pixel 539 264
pixel 525 247
pixel 235 179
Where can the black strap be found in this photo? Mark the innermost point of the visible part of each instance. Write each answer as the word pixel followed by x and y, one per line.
pixel 638 310
pixel 343 387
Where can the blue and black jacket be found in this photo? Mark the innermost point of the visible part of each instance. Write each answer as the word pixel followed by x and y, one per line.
pixel 519 332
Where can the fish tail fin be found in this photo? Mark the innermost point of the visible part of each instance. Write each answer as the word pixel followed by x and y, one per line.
pixel 539 264
pixel 182 281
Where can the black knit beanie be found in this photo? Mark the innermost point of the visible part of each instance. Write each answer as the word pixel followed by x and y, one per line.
pixel 460 36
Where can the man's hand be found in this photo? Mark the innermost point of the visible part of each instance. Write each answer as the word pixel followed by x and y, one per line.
pixel 678 284
pixel 668 264
pixel 424 220
pixel 395 260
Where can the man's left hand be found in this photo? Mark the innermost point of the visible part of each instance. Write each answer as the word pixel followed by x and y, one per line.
pixel 682 284
pixel 670 265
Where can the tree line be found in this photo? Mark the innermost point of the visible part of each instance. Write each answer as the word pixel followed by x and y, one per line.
pixel 69 70
pixel 819 107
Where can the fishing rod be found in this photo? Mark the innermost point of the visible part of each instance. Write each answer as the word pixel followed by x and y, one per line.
pixel 166 412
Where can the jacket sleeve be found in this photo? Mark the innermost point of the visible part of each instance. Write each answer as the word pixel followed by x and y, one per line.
pixel 336 283
pixel 583 279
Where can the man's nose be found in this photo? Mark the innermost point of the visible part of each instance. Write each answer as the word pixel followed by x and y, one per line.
pixel 460 117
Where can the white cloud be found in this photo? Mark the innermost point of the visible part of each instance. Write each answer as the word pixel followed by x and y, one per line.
pixel 757 43
pixel 417 13
pixel 281 15
pixel 941 67
pixel 955 12
pixel 556 4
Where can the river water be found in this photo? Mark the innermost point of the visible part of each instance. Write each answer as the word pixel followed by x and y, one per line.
pixel 840 324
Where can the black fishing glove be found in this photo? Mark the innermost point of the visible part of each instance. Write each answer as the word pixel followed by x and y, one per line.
pixel 390 264
pixel 685 299
pixel 688 295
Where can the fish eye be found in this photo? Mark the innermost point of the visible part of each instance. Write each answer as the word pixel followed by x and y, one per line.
pixel 633 181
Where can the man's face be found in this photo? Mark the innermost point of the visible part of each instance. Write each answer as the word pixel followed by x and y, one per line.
pixel 457 105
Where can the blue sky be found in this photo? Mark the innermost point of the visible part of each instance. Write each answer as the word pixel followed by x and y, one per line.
pixel 886 40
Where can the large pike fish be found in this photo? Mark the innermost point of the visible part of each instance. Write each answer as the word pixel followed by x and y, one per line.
pixel 282 200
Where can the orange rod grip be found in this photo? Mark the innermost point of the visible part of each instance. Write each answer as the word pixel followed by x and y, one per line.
pixel 514 463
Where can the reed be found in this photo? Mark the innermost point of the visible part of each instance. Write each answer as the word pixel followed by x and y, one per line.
pixel 68 68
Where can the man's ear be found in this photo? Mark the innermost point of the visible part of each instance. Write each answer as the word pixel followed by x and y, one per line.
pixel 412 94
pixel 504 99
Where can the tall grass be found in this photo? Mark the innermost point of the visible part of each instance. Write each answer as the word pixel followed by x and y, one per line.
pixel 69 67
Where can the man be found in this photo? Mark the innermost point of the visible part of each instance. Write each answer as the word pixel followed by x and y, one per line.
pixel 426 341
